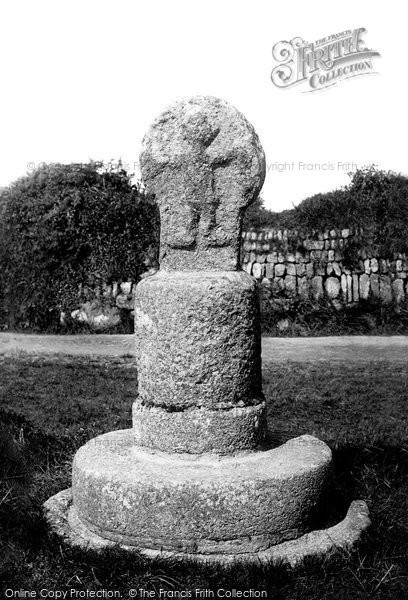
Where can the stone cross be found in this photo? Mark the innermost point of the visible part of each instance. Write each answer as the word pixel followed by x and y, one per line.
pixel 197 325
pixel 204 164
pixel 192 477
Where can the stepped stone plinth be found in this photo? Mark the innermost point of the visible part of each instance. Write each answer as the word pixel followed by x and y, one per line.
pixel 195 477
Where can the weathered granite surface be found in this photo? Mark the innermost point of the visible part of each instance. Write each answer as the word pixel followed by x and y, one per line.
pixel 198 340
pixel 204 164
pixel 323 543
pixel 199 503
pixel 191 477
pixel 200 430
pixel 197 325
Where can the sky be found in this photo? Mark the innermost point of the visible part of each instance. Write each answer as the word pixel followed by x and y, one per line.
pixel 84 79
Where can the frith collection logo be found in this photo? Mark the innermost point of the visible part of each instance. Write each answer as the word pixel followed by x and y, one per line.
pixel 323 63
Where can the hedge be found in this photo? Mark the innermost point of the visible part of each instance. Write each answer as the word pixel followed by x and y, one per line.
pixel 65 225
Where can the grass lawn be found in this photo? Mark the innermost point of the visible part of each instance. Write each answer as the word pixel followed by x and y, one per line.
pixel 50 406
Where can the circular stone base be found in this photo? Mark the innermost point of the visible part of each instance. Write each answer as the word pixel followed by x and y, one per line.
pixel 209 504
pixel 64 521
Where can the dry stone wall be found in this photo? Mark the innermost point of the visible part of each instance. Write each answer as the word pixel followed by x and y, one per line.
pixel 103 306
pixel 318 266
pixel 333 265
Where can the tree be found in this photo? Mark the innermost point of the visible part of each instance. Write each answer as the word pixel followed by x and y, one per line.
pixel 65 225
pixel 374 200
pixel 256 216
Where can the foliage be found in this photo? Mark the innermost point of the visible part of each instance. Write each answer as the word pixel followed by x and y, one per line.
pixel 301 317
pixel 374 200
pixel 256 215
pixel 65 225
